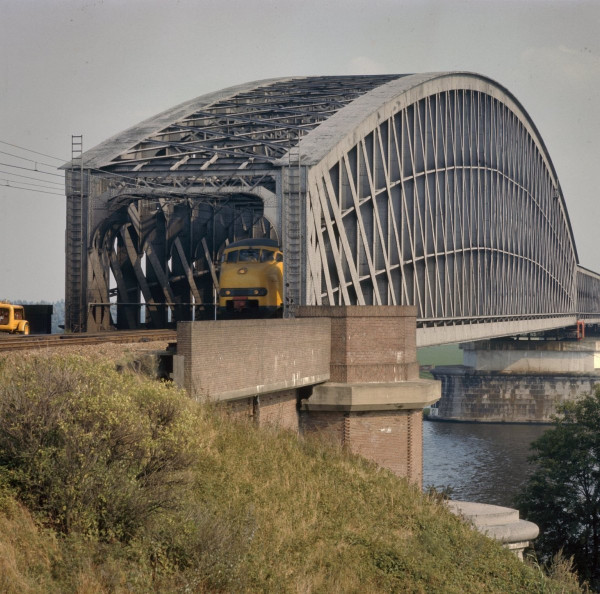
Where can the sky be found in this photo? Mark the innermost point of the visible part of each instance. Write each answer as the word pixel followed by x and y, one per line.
pixel 97 67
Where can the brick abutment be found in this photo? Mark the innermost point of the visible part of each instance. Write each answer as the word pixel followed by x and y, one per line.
pixel 348 374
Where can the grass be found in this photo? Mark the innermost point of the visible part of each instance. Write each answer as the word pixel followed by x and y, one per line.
pixel 252 510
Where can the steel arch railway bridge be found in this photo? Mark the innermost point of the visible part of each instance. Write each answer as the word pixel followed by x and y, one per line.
pixel 434 190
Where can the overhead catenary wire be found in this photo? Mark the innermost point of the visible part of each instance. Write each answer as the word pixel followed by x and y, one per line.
pixel 32 151
pixel 27 159
pixel 13 181
pixel 6 185
pixel 102 171
pixel 59 184
pixel 29 169
pixel 132 180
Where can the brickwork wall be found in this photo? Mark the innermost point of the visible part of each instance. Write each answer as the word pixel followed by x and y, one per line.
pixel 258 367
pixel 231 359
pixel 326 425
pixel 242 408
pixel 471 395
pixel 279 409
pixel 393 440
pixel 370 344
pixel 275 409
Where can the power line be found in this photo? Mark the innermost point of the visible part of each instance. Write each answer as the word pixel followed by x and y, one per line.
pixel 124 177
pixel 26 159
pixel 32 151
pixel 102 171
pixel 90 169
pixel 12 181
pixel 30 190
pixel 29 169
pixel 33 178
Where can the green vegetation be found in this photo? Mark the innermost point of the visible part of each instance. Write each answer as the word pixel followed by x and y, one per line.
pixel 447 354
pixel 111 482
pixel 563 495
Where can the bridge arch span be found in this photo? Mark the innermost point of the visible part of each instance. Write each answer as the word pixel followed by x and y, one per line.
pixel 434 190
pixel 437 191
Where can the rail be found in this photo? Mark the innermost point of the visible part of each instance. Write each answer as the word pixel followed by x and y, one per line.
pixel 11 342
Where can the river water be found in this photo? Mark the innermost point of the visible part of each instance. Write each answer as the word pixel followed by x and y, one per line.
pixel 482 462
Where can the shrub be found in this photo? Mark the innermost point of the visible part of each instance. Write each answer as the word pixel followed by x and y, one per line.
pixel 563 494
pixel 95 451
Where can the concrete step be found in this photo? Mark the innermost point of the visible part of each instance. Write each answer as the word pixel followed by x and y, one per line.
pixel 497 522
pixel 483 514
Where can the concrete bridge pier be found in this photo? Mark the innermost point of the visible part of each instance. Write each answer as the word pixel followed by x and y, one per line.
pixel 517 381
pixel 373 402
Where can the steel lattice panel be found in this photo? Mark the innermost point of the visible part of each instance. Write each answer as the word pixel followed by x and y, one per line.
pixel 448 205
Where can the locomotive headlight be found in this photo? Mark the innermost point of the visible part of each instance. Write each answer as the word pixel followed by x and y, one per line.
pixel 255 291
pixel 227 292
pixel 242 271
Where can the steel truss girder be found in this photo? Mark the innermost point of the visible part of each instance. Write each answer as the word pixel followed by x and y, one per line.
pixel 150 256
pixel 434 190
pixel 588 295
pixel 260 125
pixel 450 204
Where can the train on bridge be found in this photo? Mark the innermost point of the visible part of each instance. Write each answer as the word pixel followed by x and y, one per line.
pixel 251 279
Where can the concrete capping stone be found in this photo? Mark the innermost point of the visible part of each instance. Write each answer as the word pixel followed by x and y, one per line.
pixel 405 395
pixel 268 388
pixel 497 522
pixel 356 311
pixel 516 532
pixel 484 514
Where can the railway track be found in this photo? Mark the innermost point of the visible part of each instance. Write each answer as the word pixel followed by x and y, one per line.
pixel 11 342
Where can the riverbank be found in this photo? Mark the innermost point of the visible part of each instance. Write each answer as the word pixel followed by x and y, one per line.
pixel 247 509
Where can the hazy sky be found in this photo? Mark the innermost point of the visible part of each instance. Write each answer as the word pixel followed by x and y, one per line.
pixel 97 67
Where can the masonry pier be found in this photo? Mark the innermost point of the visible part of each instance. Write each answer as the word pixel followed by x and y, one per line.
pixel 517 381
pixel 347 373
pixel 373 402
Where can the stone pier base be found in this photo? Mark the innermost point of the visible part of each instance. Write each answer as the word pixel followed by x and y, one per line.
pixel 517 381
pixel 380 421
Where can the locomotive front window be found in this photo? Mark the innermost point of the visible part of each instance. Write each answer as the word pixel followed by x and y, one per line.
pixel 280 257
pixel 267 256
pixel 18 314
pixel 4 315
pixel 249 255
pixel 231 256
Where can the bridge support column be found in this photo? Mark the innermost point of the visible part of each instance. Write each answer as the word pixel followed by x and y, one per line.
pixel 517 381
pixel 374 401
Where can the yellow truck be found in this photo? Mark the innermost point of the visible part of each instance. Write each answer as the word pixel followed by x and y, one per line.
pixel 12 319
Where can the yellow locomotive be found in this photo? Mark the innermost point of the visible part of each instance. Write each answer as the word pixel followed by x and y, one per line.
pixel 12 319
pixel 251 279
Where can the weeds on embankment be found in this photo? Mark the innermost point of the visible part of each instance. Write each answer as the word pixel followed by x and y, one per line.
pixel 112 482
